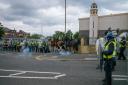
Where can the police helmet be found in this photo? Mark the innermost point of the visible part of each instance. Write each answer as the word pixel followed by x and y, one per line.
pixel 110 35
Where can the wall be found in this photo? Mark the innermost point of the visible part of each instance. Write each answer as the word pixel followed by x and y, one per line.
pixel 84 24
pixel 114 21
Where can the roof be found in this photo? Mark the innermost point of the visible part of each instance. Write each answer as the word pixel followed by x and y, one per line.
pixel 6 29
pixel 105 16
pixel 83 18
pixel 114 15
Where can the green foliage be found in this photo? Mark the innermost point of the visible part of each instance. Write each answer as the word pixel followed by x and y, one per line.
pixel 1 32
pixel 35 36
pixel 69 35
pixel 58 35
pixel 76 35
pixel 49 37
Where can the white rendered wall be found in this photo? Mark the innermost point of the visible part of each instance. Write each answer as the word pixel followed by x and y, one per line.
pixel 84 24
pixel 114 21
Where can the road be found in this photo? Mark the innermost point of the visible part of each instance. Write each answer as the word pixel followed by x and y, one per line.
pixel 52 69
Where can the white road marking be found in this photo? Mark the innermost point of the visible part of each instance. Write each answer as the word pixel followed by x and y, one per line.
pixel 43 57
pixel 26 77
pixel 60 75
pixel 54 56
pixel 18 72
pixel 30 71
pixel 120 79
pixel 3 54
pixel 90 59
pixel 125 76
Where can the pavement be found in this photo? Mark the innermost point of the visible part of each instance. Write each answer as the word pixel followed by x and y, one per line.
pixel 55 69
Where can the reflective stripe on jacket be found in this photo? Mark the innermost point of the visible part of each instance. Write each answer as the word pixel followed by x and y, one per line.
pixel 107 48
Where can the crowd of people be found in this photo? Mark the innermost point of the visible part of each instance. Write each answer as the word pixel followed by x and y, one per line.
pixel 110 48
pixel 19 46
pixel 38 46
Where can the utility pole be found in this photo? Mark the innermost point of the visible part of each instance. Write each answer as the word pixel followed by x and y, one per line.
pixel 65 23
pixel 65 16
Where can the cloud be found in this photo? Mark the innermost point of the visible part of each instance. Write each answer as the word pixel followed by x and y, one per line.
pixel 105 11
pixel 121 6
pixel 52 15
pixel 47 16
pixel 4 6
pixel 52 11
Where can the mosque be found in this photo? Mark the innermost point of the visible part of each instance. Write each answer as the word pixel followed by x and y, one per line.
pixel 94 26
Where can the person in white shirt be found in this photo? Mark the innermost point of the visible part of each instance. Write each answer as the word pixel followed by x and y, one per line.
pixel 99 48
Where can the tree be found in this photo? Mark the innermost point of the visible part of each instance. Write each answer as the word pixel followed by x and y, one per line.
pixel 61 36
pixel 35 36
pixel 76 35
pixel 69 35
pixel 1 31
pixel 58 35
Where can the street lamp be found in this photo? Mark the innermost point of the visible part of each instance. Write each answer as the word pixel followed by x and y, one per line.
pixel 65 16
pixel 65 22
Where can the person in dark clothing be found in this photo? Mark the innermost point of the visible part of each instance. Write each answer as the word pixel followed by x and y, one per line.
pixel 109 30
pixel 108 52
pixel 122 49
pixel 118 31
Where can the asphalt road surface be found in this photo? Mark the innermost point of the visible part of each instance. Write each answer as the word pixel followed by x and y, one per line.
pixel 51 69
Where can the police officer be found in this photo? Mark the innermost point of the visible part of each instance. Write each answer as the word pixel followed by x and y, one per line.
pixel 30 46
pixel 42 47
pixel 108 52
pixel 36 46
pixel 122 49
pixel 39 46
pixel 22 46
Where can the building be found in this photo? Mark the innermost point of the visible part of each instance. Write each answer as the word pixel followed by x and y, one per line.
pixel 22 34
pixel 9 33
pixel 94 26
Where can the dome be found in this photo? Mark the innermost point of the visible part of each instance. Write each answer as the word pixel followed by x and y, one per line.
pixel 94 5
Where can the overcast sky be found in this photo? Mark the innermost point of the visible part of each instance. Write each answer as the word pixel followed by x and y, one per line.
pixel 47 16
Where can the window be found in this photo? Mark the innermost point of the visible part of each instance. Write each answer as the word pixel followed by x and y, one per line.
pixel 93 24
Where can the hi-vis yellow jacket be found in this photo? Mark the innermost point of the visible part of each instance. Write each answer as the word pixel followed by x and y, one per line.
pixel 106 47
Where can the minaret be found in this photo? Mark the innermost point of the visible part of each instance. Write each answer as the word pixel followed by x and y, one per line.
pixel 93 27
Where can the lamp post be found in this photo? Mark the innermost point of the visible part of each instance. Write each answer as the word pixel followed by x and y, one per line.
pixel 65 16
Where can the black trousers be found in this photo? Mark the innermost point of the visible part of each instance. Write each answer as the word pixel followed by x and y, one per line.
pixel 121 54
pixel 108 72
